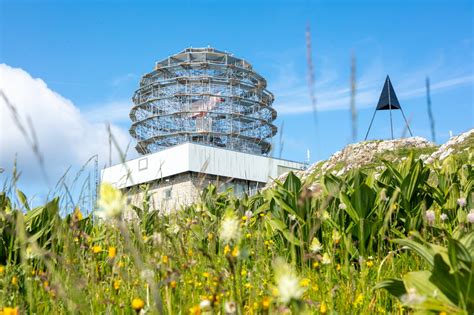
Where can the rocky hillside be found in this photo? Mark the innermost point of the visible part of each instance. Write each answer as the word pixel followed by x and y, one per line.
pixel 370 153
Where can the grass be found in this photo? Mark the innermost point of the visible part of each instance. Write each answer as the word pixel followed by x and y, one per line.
pixel 228 255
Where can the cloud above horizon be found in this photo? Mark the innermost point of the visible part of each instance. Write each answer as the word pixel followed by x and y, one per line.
pixel 65 137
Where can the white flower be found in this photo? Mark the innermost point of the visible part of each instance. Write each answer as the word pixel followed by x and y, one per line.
pixel 412 297
pixel 288 283
pixel 461 202
pixel 230 228
pixel 443 216
pixel 147 274
pixel 336 236
pixel 315 246
pixel 112 202
pixel 430 216
pixel 230 308
pixel 470 216
pixel 292 217
pixel 342 206
pixel 326 260
pixel 248 214
pixel 205 305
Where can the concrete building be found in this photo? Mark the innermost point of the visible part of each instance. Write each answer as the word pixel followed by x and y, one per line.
pixel 201 116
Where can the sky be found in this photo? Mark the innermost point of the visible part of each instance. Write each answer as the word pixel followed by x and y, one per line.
pixel 69 68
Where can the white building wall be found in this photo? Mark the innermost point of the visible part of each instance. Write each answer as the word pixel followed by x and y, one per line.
pixel 190 157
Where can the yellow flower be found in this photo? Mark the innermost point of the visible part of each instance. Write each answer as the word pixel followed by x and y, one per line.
pixel 144 238
pixel 112 252
pixel 137 304
pixel 235 252
pixel 96 249
pixel 323 308
pixel 117 284
pixel 2 269
pixel 173 284
pixel 243 273
pixel 442 313
pixel 226 249
pixel 14 280
pixel 10 311
pixel 266 301
pixel 46 284
pixel 244 218
pixel 338 267
pixel 77 215
pixel 369 263
pixel 305 282
pixel 164 259
pixel 315 264
pixel 205 274
pixel 195 310
pixel 358 300
pixel 210 236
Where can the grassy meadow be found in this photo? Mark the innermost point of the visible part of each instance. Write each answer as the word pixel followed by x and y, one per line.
pixel 397 239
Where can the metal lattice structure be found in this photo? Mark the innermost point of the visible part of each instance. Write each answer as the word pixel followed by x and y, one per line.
pixel 204 96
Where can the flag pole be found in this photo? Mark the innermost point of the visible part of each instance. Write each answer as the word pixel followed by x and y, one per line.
pixel 390 106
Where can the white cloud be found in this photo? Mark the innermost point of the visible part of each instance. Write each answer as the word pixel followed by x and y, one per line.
pixel 65 137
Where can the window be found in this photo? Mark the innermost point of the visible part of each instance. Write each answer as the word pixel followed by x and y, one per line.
pixel 167 193
pixel 142 164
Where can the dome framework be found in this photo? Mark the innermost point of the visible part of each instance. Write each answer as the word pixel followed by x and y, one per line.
pixel 204 96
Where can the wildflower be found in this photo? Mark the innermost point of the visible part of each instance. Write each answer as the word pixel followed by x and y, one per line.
pixel 77 215
pixel 248 235
pixel 430 216
pixel 323 308
pixel 210 236
pixel 195 310
pixel 235 252
pixel 315 246
pixel 147 274
pixel 205 305
pixel 358 300
pixel 230 307
pixel 292 217
pixel 325 216
pixel 96 249
pixel 10 311
pixel 243 273
pixel 305 282
pixel 443 216
pixel 412 297
pixel 266 303
pixel 287 282
pixel 342 206
pixel 462 202
pixel 112 252
pixel 2 269
pixel 226 249
pixel 164 259
pixel 112 202
pixel 173 284
pixel 244 218
pixel 315 264
pixel 369 263
pixel 470 216
pixel 230 230
pixel 248 214
pixel 116 284
pixel 326 260
pixel 336 236
pixel 14 280
pixel 137 304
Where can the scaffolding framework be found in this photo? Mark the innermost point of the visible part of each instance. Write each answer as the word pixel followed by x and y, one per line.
pixel 204 96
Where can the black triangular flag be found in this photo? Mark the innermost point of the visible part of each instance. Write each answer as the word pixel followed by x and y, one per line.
pixel 388 99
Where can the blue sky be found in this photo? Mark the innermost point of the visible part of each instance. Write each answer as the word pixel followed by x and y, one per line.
pixel 92 53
